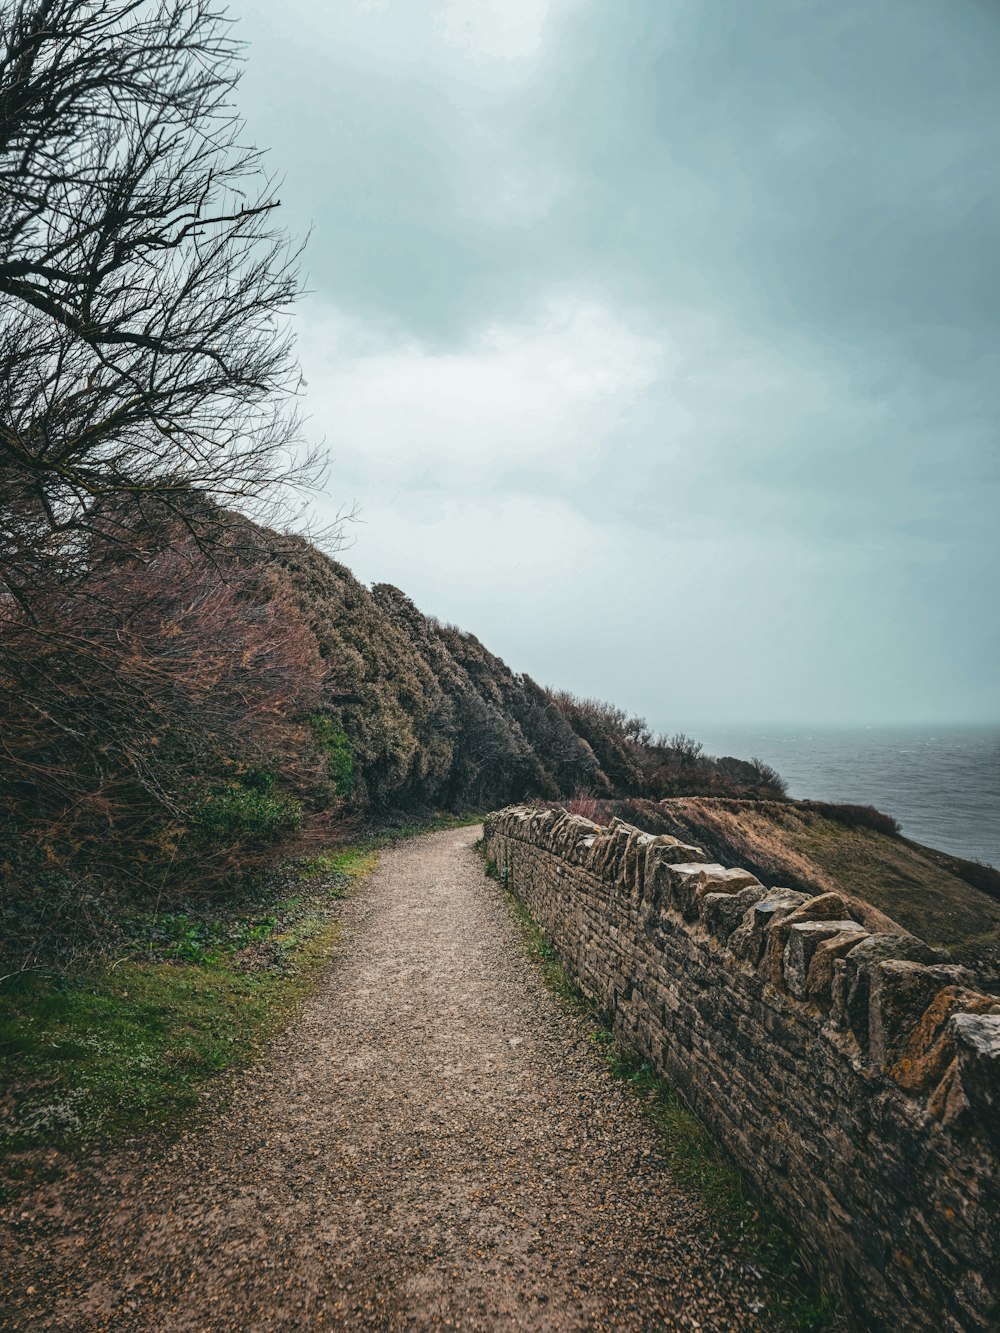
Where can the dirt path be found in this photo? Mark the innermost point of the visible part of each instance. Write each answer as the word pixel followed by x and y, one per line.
pixel 433 1143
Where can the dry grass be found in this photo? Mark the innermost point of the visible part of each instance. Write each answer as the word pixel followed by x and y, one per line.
pixel 790 845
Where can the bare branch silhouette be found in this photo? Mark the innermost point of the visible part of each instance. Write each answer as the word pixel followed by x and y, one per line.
pixel 145 349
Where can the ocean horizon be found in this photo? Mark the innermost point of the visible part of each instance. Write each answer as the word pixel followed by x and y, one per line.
pixel 941 782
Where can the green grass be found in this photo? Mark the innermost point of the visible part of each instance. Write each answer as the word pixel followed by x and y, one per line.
pixel 336 746
pixel 122 1048
pixel 697 1161
pixel 350 862
pixel 131 1044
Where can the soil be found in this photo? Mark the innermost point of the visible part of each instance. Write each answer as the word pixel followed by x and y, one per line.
pixel 434 1142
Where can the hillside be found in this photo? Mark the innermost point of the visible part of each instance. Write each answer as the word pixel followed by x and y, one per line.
pixel 796 844
pixel 186 719
pixel 197 720
pixel 433 719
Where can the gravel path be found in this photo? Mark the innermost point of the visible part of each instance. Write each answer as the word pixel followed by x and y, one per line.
pixel 433 1143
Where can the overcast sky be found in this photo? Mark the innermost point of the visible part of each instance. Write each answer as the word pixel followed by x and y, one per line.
pixel 657 340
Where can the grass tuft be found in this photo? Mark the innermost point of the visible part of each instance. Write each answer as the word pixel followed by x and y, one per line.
pixel 347 863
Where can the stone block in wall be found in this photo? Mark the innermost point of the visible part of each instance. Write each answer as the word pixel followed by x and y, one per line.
pixel 900 992
pixel 819 981
pixel 580 853
pixel 689 883
pixel 748 940
pixel 608 852
pixel 661 853
pixel 802 940
pixel 572 837
pixel 655 881
pixel 852 974
pixel 930 1047
pixel 975 1086
pixel 723 912
pixel 825 907
pixel 634 861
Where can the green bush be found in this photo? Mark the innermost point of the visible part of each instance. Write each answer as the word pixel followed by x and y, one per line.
pixel 334 744
pixel 249 811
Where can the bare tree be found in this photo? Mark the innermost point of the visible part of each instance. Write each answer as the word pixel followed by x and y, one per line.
pixel 685 748
pixel 145 356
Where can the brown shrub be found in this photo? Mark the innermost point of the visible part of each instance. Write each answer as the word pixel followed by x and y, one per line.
pixel 854 816
pixel 157 717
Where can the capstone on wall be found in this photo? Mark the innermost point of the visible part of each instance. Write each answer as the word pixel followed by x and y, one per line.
pixel 854 1076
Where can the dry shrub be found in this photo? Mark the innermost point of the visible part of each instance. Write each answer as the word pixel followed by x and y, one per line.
pixel 156 718
pixel 854 816
pixel 588 807
pixel 635 765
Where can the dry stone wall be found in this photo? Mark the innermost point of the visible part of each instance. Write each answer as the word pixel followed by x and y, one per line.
pixel 854 1075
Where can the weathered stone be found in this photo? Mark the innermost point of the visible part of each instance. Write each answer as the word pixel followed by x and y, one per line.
pixel 822 907
pixel 748 940
pixel 674 852
pixel 948 1102
pixel 572 835
pixel 690 882
pixel 852 977
pixel 723 912
pixel 930 1048
pixel 819 981
pixel 608 851
pixel 661 856
pixel 803 938
pixel 977 1042
pixel 900 992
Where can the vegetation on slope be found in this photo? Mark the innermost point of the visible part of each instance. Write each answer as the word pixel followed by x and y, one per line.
pixel 199 719
pixel 433 717
pixel 129 1037
pixel 819 848
pixel 124 1044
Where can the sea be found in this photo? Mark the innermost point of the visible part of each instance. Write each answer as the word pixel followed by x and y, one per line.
pixel 941 783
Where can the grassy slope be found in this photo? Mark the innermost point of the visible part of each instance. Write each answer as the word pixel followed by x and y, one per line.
pixel 910 883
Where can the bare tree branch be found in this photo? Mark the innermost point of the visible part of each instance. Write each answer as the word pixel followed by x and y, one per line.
pixel 145 350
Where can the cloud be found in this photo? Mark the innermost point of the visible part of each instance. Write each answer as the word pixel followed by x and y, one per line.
pixel 461 39
pixel 665 325
pixel 680 423
pixel 541 397
pixel 507 30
